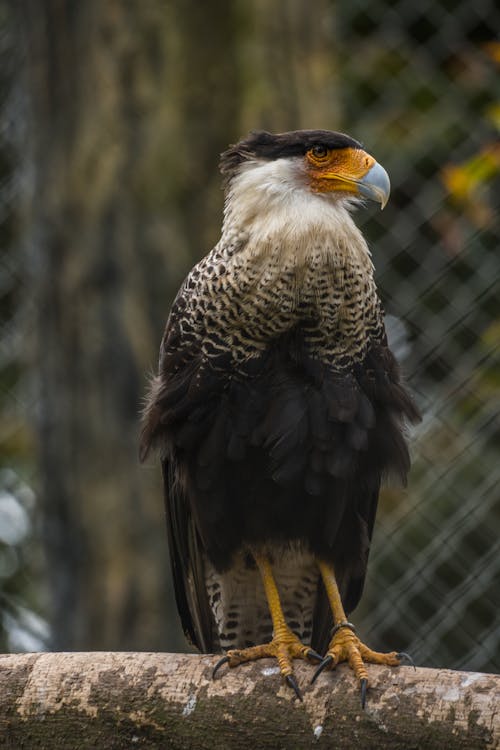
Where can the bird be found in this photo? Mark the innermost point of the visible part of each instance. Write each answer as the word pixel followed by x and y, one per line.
pixel 278 409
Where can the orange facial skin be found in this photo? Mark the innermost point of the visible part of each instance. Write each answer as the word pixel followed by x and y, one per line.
pixel 337 169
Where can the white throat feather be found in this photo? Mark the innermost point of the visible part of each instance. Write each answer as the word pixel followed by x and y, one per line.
pixel 270 202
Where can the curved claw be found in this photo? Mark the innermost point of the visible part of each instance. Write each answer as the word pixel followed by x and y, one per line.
pixel 219 664
pixel 402 656
pixel 311 654
pixel 340 625
pixel 290 679
pixel 364 685
pixel 325 663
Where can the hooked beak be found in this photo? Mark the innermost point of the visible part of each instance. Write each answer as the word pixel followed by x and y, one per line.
pixel 375 185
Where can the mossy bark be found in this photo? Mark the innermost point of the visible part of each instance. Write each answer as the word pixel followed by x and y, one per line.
pixel 124 700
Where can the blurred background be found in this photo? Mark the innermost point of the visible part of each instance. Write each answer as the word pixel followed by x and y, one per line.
pixel 113 117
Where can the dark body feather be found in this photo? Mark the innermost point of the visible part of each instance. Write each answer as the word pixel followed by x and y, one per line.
pixel 294 452
pixel 278 409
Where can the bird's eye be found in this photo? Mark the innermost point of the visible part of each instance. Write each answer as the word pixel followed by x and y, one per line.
pixel 319 152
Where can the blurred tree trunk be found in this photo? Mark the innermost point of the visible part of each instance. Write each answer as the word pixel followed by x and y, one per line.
pixel 130 105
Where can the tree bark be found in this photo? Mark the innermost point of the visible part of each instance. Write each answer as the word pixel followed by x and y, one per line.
pixel 144 700
pixel 91 231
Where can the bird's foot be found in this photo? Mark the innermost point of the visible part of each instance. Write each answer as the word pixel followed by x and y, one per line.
pixel 285 647
pixel 346 646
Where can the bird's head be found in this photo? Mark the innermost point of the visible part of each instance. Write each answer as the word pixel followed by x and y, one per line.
pixel 319 161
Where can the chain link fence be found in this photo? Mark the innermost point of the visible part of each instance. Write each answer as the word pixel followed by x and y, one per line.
pixel 422 80
pixel 419 85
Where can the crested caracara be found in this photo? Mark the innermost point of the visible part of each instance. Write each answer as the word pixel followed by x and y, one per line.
pixel 278 409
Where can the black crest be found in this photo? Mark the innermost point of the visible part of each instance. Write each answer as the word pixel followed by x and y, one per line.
pixel 263 145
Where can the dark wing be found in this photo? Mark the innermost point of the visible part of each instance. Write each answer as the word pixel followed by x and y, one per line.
pixel 187 563
pixel 393 407
pixel 169 392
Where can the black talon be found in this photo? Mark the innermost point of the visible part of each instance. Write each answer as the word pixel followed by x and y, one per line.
pixel 311 654
pixel 403 655
pixel 219 664
pixel 290 679
pixel 325 663
pixel 364 685
pixel 343 624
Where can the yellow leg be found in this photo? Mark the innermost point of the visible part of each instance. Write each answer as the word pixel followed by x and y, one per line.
pixel 285 646
pixel 345 645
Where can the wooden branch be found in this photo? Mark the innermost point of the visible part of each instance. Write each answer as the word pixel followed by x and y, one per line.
pixel 139 700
